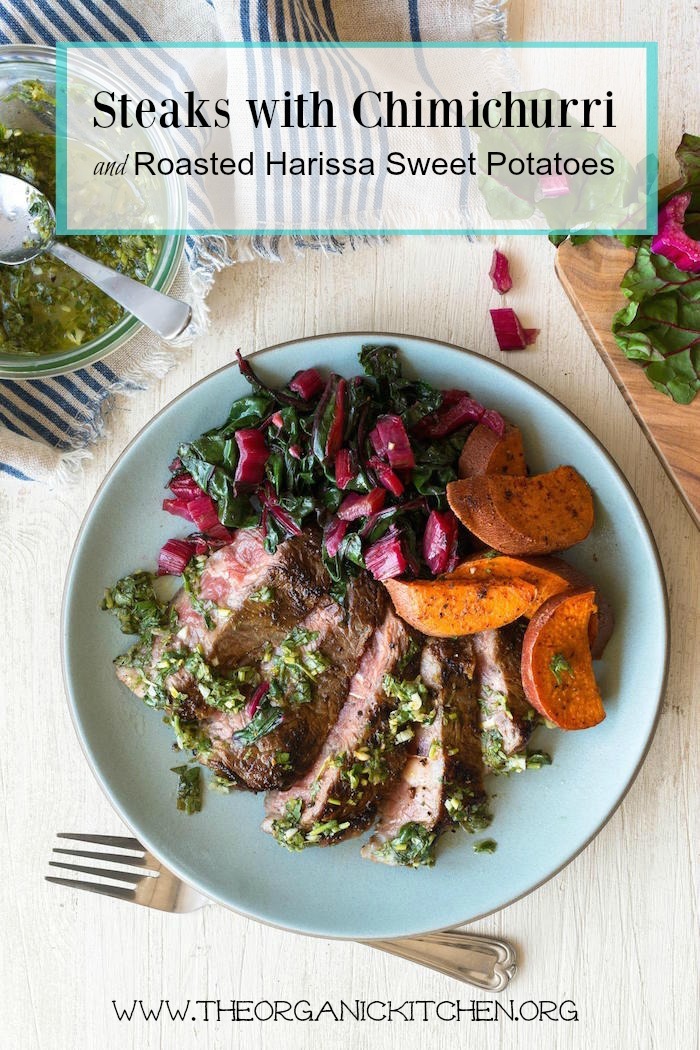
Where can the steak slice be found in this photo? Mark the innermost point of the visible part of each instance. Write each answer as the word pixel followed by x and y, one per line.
pixel 339 794
pixel 251 597
pixel 137 667
pixel 442 781
pixel 279 756
pixel 505 711
pixel 292 580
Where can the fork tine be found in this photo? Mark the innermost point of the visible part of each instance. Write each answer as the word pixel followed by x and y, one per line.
pixel 94 887
pixel 118 841
pixel 116 858
pixel 107 873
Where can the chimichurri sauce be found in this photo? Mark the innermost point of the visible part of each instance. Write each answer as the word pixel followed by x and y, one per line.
pixel 46 307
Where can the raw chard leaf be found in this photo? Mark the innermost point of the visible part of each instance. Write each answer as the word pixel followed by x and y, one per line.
pixel 660 327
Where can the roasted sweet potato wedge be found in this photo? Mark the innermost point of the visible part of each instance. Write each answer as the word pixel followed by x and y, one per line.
pixel 485 452
pixel 528 515
pixel 451 608
pixel 543 573
pixel 551 576
pixel 557 667
pixel 602 621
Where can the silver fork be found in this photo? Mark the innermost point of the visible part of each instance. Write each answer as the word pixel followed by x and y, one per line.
pixel 485 962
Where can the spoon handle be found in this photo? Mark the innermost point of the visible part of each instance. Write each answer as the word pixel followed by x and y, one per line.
pixel 486 962
pixel 164 315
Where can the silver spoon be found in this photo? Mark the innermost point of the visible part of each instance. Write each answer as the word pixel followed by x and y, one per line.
pixel 28 228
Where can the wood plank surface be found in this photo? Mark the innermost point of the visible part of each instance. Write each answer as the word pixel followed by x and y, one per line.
pixel 616 931
pixel 591 274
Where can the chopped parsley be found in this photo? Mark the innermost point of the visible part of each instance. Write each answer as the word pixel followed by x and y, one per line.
pixel 286 829
pixel 369 766
pixel 491 702
pixel 190 581
pixel 485 846
pixel 326 829
pixel 410 708
pixel 287 832
pixel 134 602
pixel 220 691
pixel 189 789
pixel 189 736
pixel 559 666
pixel 465 809
pixel 499 762
pixel 412 847
pixel 293 667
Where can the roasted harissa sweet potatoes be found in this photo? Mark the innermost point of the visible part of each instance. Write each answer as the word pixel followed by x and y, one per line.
pixel 522 519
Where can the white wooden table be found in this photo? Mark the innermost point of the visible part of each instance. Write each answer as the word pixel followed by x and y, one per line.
pixel 616 931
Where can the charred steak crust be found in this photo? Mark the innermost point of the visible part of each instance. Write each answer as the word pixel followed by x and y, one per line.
pixel 343 633
pixel 360 757
pixel 293 580
pixel 442 780
pixel 448 667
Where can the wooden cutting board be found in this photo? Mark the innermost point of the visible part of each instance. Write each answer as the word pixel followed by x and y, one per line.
pixel 591 275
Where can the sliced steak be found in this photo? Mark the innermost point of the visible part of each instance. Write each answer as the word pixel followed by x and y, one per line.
pixel 442 781
pixel 281 755
pixel 504 707
pixel 411 813
pixel 138 665
pixel 292 580
pixel 339 794
pixel 252 597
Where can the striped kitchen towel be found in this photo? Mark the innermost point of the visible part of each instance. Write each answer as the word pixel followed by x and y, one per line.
pixel 48 425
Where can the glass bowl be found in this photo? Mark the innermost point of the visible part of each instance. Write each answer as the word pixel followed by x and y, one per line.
pixel 23 62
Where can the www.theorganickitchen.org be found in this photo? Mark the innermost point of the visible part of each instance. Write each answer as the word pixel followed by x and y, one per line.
pixel 354 1010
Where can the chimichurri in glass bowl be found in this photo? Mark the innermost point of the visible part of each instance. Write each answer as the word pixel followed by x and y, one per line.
pixel 51 319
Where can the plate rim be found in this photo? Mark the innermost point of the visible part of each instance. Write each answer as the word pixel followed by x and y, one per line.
pixel 366 335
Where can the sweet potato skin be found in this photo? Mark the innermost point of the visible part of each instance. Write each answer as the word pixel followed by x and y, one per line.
pixel 485 452
pixel 525 515
pixel 604 623
pixel 557 667
pixel 453 608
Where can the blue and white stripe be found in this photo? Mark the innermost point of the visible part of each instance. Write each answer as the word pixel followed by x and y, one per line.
pixel 65 413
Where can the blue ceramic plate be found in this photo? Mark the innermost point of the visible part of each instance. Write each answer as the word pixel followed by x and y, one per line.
pixel 543 818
